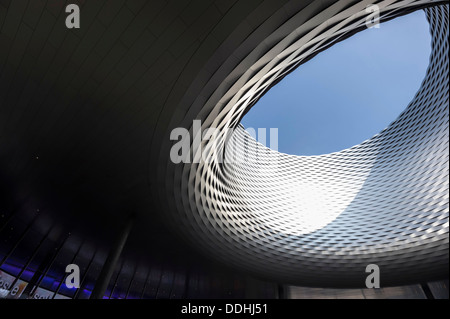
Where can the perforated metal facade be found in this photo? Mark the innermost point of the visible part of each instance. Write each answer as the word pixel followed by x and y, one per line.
pixel 320 220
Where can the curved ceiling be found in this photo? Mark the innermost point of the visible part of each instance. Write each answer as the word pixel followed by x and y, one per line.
pixel 257 217
pixel 86 114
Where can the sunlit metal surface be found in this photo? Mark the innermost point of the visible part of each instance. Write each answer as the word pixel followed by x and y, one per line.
pixel 320 220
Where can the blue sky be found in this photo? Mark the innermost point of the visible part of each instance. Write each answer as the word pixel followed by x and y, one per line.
pixel 349 92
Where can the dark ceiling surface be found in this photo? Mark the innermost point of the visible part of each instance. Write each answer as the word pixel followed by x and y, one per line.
pixel 85 114
pixel 81 110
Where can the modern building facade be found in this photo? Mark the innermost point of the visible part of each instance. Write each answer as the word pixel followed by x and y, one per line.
pixel 86 175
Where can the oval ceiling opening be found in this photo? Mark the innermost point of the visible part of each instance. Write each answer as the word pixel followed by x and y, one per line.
pixel 349 92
